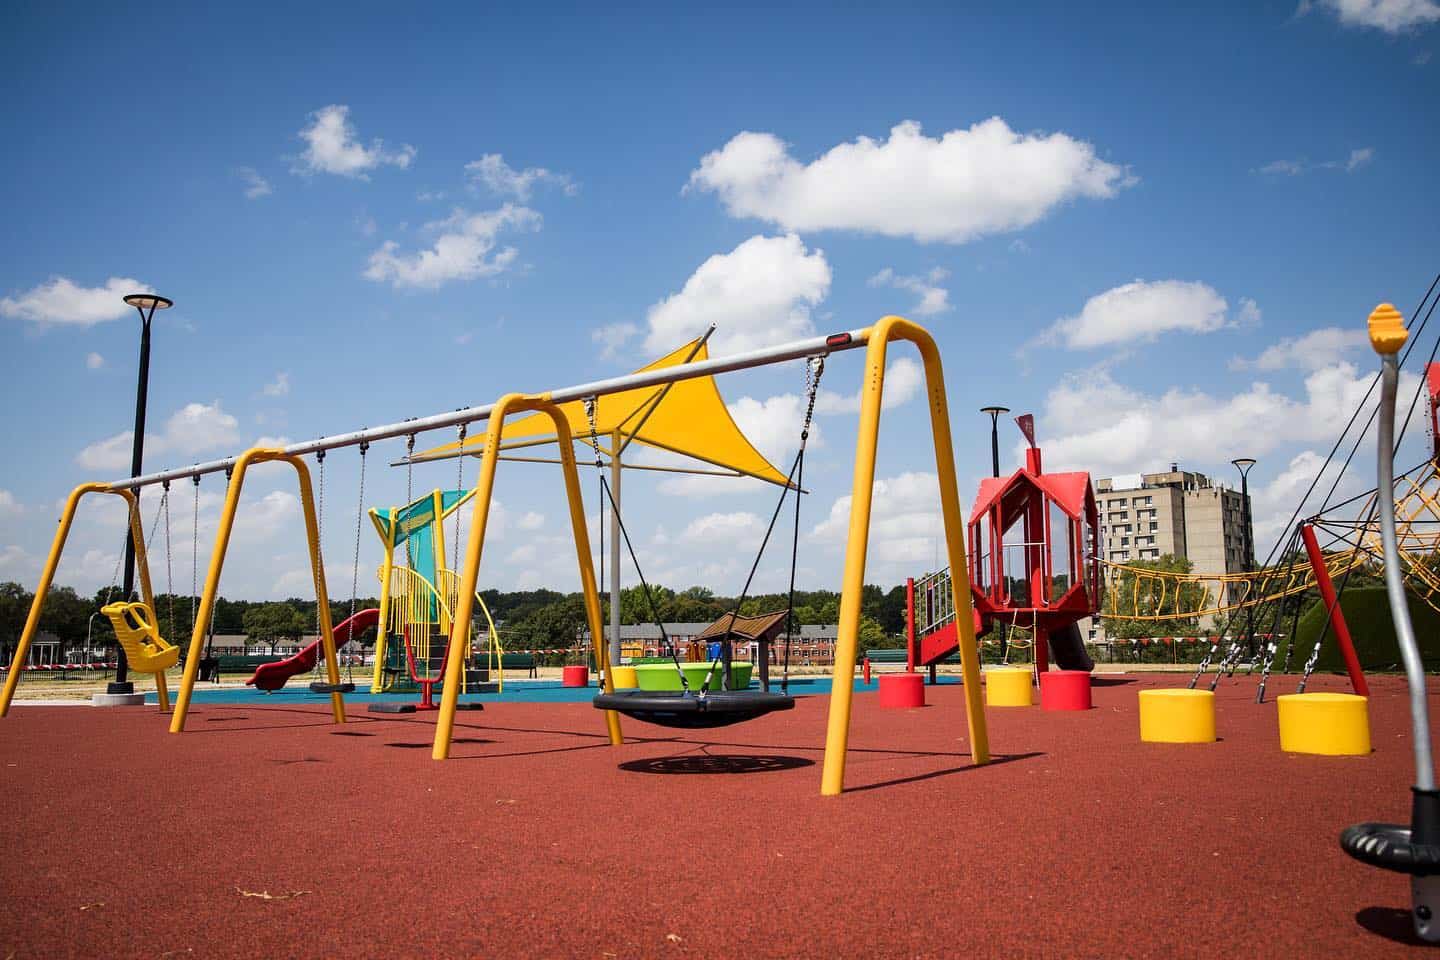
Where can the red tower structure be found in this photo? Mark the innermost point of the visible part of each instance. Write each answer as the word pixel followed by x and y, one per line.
pixel 1033 540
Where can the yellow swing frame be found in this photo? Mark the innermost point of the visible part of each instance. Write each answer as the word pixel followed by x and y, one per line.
pixel 47 576
pixel 876 339
pixel 837 735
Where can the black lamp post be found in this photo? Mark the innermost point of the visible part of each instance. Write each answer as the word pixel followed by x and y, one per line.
pixel 145 304
pixel 995 413
pixel 1243 464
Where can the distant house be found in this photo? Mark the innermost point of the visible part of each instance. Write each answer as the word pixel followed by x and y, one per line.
pixel 814 645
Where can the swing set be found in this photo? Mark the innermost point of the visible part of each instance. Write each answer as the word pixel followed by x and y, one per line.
pixel 738 705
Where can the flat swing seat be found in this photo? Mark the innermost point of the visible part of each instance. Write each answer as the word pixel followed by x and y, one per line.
pixel 134 626
pixel 319 687
pixel 690 711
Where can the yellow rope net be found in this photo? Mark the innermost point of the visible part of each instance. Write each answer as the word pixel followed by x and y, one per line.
pixel 1138 593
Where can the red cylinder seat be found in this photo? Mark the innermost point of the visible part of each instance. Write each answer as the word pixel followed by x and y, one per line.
pixel 1065 690
pixel 575 676
pixel 901 691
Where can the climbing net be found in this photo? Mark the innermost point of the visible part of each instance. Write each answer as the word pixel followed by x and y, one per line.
pixel 1140 593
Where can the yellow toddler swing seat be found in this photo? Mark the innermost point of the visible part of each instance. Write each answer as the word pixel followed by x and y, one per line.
pixel 145 649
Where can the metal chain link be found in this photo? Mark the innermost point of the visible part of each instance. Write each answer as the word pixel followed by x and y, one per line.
pixel 194 550
pixel 320 536
pixel 169 577
pixel 459 485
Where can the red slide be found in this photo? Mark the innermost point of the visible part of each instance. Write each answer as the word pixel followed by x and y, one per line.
pixel 272 676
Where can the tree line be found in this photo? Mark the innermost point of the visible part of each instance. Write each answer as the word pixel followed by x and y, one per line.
pixel 528 619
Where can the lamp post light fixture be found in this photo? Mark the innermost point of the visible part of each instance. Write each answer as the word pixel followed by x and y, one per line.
pixel 995 413
pixel 1243 464
pixel 145 304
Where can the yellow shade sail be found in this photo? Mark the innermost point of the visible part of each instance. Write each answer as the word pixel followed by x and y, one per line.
pixel 687 417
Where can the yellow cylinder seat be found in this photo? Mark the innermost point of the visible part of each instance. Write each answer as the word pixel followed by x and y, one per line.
pixel 1329 724
pixel 1177 716
pixel 1008 687
pixel 625 678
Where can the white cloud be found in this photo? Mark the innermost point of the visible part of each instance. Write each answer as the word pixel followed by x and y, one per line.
pixel 271 440
pixel 278 387
pixel 268 516
pixel 194 428
pixel 9 506
pixel 724 528
pixel 1359 157
pixel 62 303
pixel 256 186
pixel 17 563
pixel 933 298
pixel 758 294
pixel 1289 168
pixel 93 361
pixel 612 337
pixel 905 524
pixel 331 147
pixel 464 249
pixel 1316 349
pixel 530 520
pixel 903 380
pixel 1141 311
pixel 1390 16
pixel 1105 427
pixel 501 178
pixel 965 184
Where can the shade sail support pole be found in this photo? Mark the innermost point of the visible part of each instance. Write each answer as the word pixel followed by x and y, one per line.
pixel 615 472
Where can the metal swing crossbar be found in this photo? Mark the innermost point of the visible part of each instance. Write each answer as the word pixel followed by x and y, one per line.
pixel 874 339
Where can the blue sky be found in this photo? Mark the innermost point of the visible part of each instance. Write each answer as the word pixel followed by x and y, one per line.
pixel 1159 230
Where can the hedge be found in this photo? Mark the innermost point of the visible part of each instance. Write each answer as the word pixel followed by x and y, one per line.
pixel 1367 613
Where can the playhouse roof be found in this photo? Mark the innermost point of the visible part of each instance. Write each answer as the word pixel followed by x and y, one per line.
pixel 687 417
pixel 1069 490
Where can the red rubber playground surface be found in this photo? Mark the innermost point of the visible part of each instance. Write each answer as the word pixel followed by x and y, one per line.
pixel 268 832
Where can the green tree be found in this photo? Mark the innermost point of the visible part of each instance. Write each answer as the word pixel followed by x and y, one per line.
pixel 270 623
pixel 1139 596
pixel 14 608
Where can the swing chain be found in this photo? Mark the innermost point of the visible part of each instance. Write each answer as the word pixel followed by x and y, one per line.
pixel 591 405
pixel 459 485
pixel 194 547
pixel 320 536
pixel 169 577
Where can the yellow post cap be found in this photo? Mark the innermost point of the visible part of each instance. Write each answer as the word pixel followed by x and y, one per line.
pixel 1387 329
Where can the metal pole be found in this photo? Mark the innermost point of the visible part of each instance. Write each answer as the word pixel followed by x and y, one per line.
pixel 615 472
pixel 995 412
pixel 137 456
pixel 795 350
pixel 994 446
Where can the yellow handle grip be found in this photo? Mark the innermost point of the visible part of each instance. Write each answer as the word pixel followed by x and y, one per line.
pixel 1387 329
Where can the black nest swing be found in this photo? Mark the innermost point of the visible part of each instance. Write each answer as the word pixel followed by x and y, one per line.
pixel 686 709
pixel 691 711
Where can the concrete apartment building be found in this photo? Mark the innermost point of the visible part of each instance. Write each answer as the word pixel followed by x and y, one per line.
pixel 1145 516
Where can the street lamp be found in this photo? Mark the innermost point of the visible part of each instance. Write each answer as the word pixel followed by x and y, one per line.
pixel 145 304
pixel 995 413
pixel 1243 464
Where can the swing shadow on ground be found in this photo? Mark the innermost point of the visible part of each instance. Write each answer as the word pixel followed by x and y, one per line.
pixel 1392 923
pixel 713 763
